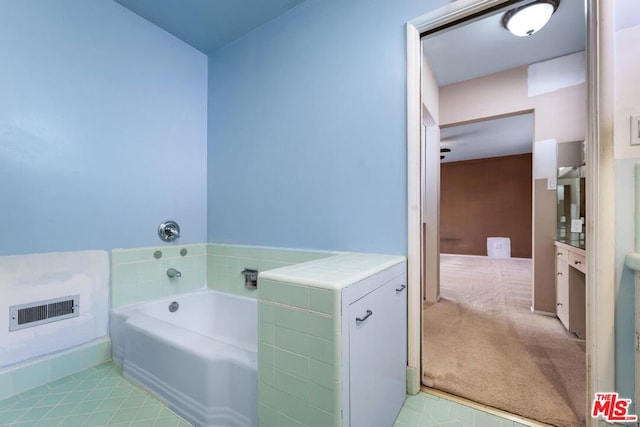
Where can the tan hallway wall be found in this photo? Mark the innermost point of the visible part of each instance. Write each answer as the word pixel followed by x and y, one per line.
pixel 559 115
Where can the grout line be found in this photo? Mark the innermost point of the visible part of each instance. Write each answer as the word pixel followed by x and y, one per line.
pixel 295 308
pixel 109 376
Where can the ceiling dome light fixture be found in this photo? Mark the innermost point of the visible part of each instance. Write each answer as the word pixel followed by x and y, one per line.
pixel 525 20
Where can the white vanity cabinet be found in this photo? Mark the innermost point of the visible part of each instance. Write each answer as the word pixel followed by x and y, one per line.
pixel 333 342
pixel 562 285
pixel 374 328
pixel 570 287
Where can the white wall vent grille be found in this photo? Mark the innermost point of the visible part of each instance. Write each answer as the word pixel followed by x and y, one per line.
pixel 41 312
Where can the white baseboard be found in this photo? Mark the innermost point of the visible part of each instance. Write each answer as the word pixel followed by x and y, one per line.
pixel 482 256
pixel 413 381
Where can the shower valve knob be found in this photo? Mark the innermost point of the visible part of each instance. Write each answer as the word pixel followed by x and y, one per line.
pixel 168 231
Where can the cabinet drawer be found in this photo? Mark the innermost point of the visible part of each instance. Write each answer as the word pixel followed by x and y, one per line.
pixel 562 253
pixel 577 261
pixel 562 292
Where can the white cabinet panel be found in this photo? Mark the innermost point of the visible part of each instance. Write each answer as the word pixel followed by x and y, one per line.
pixel 344 374
pixel 378 355
pixel 562 292
pixel 570 288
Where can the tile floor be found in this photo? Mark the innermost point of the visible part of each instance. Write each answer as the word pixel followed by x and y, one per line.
pixel 427 410
pixel 99 396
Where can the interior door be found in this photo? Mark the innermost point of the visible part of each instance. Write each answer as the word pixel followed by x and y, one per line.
pixel 430 210
pixel 430 182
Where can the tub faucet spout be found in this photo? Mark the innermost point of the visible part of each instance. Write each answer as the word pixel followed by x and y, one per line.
pixel 172 272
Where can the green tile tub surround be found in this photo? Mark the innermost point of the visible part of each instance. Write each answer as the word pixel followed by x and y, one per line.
pixel 226 262
pixel 18 378
pixel 299 344
pixel 98 396
pixel 137 275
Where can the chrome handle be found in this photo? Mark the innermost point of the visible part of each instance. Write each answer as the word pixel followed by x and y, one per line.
pixel 172 231
pixel 169 231
pixel 401 288
pixel 366 316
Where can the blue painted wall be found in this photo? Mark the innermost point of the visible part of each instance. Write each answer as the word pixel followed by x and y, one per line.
pixel 307 129
pixel 102 128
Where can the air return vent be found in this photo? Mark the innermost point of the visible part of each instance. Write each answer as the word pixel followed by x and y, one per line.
pixel 41 312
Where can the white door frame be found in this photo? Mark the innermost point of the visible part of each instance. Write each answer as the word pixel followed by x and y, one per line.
pixel 600 293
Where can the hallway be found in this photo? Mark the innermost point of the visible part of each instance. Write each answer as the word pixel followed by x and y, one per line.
pixel 482 342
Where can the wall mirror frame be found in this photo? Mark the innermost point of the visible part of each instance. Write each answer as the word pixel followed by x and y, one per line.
pixel 571 194
pixel 571 190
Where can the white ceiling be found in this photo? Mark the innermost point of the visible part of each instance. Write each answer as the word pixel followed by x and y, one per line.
pixel 484 47
pixel 489 138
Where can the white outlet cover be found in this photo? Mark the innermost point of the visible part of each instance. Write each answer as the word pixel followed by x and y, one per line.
pixel 552 183
pixel 576 226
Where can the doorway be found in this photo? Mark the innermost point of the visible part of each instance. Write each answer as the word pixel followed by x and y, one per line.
pixel 540 300
pixel 485 187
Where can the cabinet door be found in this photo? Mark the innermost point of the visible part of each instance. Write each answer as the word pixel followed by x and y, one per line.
pixel 562 292
pixel 378 355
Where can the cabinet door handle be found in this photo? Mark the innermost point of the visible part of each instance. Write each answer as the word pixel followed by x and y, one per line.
pixel 559 254
pixel 401 288
pixel 559 273
pixel 365 317
pixel 559 304
pixel 576 262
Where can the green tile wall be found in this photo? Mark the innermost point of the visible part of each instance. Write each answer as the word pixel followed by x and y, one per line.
pixel 298 356
pixel 226 262
pixel 136 275
pixel 24 376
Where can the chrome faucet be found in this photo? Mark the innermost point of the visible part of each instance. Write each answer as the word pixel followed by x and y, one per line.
pixel 172 272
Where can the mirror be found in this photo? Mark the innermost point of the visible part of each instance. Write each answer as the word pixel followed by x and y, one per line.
pixel 571 206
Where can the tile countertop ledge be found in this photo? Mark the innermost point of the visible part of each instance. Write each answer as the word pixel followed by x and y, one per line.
pixel 334 272
pixel 632 260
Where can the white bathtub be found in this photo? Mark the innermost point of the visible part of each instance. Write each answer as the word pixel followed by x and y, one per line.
pixel 201 359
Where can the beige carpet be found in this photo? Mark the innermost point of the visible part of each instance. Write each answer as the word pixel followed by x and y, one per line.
pixel 482 342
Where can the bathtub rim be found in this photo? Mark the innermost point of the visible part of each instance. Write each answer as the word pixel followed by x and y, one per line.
pixel 169 298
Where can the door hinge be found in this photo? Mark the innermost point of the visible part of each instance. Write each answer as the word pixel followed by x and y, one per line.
pixel 638 341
